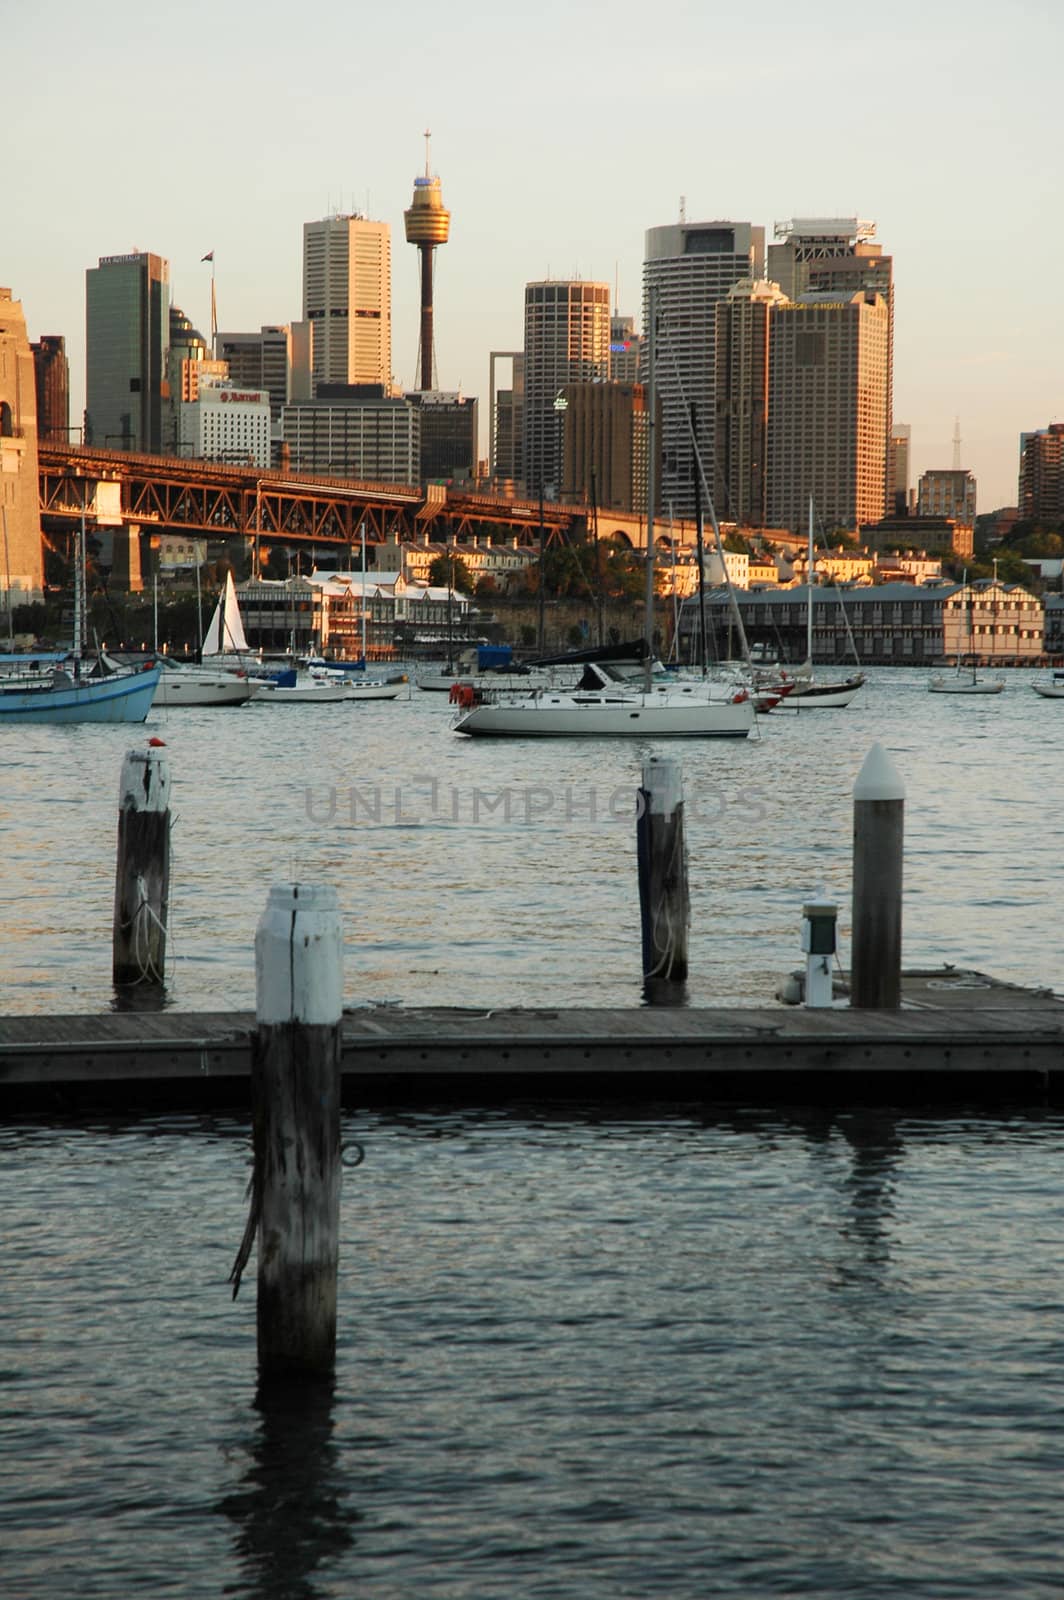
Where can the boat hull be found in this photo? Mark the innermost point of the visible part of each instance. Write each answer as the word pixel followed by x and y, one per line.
pixel 301 694
pixel 965 686
pixel 821 696
pixel 123 697
pixel 560 717
pixel 183 687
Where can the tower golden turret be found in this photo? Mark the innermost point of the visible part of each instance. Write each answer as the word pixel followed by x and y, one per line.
pixel 428 223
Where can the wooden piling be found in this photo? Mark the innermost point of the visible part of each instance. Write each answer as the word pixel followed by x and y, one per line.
pixel 142 872
pixel 663 897
pixel 878 837
pixel 295 1079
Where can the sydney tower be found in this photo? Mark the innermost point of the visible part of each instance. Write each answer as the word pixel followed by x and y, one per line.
pixel 428 223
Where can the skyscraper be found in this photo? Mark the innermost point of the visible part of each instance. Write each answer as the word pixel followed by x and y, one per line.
pixel 743 326
pixel 347 297
pixel 51 374
pixel 127 327
pixel 827 421
pixel 692 265
pixel 567 340
pixel 838 255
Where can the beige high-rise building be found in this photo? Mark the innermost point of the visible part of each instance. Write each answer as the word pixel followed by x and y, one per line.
pixel 347 297
pixel 742 391
pixel 21 558
pixel 567 340
pixel 828 420
pixel 838 256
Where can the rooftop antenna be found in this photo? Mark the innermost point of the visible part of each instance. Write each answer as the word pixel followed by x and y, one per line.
pixel 957 445
pixel 683 208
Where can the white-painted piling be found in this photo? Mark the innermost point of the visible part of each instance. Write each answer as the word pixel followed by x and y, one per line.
pixel 142 871
pixel 664 904
pixel 878 840
pixel 296 1098
pixel 819 919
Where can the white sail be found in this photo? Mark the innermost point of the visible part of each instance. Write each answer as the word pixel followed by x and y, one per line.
pixel 225 636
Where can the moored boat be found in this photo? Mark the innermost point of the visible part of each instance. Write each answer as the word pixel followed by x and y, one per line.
pixel 608 702
pixel 71 691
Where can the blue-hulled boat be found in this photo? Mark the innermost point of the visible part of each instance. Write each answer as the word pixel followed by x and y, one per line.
pixel 71 691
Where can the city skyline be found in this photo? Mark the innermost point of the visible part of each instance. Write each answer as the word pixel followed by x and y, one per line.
pixel 944 141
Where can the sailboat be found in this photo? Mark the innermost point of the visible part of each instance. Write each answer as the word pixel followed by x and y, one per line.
pixel 74 688
pixel 608 702
pixel 965 681
pixel 806 690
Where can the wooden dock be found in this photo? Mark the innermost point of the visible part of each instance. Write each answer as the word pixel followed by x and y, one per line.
pixel 960 1037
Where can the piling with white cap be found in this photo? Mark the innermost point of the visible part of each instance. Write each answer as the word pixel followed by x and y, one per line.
pixel 664 903
pixel 878 838
pixel 295 1077
pixel 142 869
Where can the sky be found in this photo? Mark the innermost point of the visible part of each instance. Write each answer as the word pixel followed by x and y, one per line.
pixel 560 133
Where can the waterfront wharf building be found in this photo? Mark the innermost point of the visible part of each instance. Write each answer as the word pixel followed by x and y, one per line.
pixel 942 493
pixel 347 297
pixel 127 329
pixel 324 612
pixel 567 341
pixel 692 266
pixel 892 624
pixel 1041 488
pixel 828 422
pixel 354 431
pixel 51 376
pixel 21 556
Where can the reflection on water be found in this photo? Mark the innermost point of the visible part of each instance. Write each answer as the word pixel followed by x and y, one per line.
pixel 291 1512
pixel 664 1354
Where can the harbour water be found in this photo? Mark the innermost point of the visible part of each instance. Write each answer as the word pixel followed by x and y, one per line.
pixel 661 1353
pixel 488 873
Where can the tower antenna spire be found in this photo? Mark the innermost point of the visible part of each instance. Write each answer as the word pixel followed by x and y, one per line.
pixel 957 444
pixel 428 136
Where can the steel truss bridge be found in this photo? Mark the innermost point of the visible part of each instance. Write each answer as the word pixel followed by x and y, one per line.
pixel 170 494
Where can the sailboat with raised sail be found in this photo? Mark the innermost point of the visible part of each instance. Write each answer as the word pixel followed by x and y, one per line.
pixel 965 680
pixel 806 689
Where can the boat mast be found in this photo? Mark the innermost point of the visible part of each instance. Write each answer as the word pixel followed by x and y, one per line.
pixel 79 577
pixel 700 547
pixel 809 581
pixel 363 593
pixel 652 475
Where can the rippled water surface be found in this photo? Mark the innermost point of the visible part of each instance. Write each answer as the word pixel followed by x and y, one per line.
pixel 504 872
pixel 658 1356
